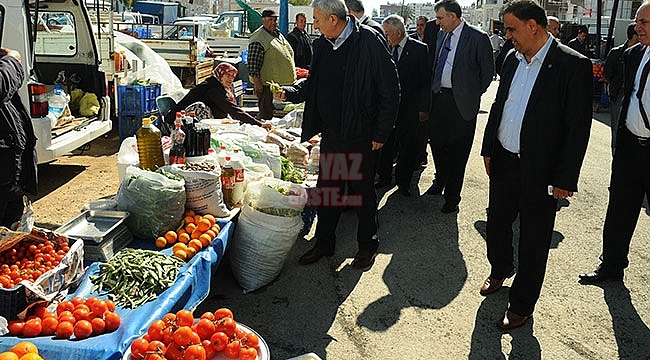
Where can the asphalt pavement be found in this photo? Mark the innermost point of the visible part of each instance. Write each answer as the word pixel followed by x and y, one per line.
pixel 420 300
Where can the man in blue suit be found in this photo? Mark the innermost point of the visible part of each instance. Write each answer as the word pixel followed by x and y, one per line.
pixel 462 72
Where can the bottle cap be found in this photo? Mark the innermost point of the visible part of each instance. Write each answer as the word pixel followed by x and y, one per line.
pixel 227 158
pixel 178 125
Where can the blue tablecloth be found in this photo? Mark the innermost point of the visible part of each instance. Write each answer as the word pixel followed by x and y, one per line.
pixel 189 290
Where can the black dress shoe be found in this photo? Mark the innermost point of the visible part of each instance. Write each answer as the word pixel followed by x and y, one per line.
pixel 448 208
pixel 382 183
pixel 312 256
pixel 436 188
pixel 364 259
pixel 599 275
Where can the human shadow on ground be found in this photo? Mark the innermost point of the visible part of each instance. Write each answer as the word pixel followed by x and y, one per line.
pixel 294 314
pixel 53 176
pixel 481 227
pixel 486 337
pixel 426 270
pixel 630 330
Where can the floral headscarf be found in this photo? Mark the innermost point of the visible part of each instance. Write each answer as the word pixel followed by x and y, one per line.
pixel 220 71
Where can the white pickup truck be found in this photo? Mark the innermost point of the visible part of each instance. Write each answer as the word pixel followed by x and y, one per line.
pixel 61 40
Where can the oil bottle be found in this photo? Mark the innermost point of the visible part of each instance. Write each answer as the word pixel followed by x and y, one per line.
pixel 149 145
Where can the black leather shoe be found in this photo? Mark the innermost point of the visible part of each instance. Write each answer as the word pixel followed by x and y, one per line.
pixel 448 208
pixel 599 275
pixel 436 188
pixel 312 256
pixel 382 183
pixel 364 259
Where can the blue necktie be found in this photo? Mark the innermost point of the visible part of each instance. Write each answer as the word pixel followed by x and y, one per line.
pixel 395 53
pixel 437 75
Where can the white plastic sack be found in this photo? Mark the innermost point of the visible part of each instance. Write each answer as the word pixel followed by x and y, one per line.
pixel 264 195
pixel 155 202
pixel 255 172
pixel 263 153
pixel 127 156
pixel 260 247
pixel 203 190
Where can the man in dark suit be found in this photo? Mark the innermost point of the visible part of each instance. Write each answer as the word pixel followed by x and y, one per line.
pixel 431 30
pixel 534 143
pixel 355 7
pixel 411 59
pixel 463 71
pixel 579 43
pixel 420 25
pixel 630 179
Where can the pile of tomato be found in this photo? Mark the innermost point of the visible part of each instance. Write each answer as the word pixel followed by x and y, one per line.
pixel 79 317
pixel 29 259
pixel 177 336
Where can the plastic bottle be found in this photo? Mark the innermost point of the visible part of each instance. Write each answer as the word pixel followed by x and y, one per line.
pixel 57 101
pixel 238 167
pixel 149 145
pixel 228 183
pixel 221 156
pixel 179 119
pixel 177 152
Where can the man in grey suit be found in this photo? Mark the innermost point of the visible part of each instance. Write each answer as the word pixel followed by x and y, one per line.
pixel 462 71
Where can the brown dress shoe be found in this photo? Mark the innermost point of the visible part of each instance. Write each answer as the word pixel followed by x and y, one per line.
pixel 511 321
pixel 364 259
pixel 312 256
pixel 491 284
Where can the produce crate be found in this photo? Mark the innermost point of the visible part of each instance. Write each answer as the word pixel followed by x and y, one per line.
pixel 137 99
pixel 129 124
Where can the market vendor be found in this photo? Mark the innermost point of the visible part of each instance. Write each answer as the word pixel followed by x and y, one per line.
pixel 216 94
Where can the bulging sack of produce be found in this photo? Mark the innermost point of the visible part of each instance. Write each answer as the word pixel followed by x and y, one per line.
pixel 276 197
pixel 202 187
pixel 260 246
pixel 155 201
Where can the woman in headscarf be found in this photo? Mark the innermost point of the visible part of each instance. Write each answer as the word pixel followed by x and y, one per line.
pixel 214 99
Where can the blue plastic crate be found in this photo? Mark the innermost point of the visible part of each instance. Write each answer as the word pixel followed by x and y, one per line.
pixel 130 124
pixel 137 99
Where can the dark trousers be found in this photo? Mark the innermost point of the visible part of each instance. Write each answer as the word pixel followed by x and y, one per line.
pixel 386 156
pixel 451 139
pixel 407 157
pixel 265 104
pixel 356 183
pixel 11 207
pixel 508 199
pixel 630 182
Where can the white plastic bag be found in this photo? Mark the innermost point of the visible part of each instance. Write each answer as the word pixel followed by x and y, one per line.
pixel 260 247
pixel 263 153
pixel 276 197
pixel 203 190
pixel 127 156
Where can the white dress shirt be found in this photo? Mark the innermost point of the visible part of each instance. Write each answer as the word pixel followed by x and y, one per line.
pixel 445 81
pixel 518 95
pixel 633 120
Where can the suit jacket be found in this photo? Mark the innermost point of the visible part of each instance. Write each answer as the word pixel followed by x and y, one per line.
pixel 473 69
pixel 556 124
pixel 614 71
pixel 632 58
pixel 414 79
pixel 431 30
pixel 415 36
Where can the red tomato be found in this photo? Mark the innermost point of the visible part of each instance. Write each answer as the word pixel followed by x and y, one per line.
pixel 76 301
pixel 81 313
pixel 183 336
pixel 184 318
pixel 219 341
pixel 157 347
pixel 139 348
pixel 50 324
pixel 154 357
pixel 194 352
pixel 222 313
pixel 83 329
pixel 173 351
pixel 110 304
pixel 227 325
pixel 208 315
pixel 168 334
pixel 64 306
pixel 232 349
pixel 112 321
pixel 169 319
pixel 205 329
pixel 64 330
pixel 251 340
pixel 209 350
pixel 40 311
pixel 247 353
pixel 16 327
pixel 33 327
pixel 99 307
pixel 99 326
pixel 155 330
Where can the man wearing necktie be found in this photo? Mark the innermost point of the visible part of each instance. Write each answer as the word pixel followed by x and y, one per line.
pixel 411 57
pixel 462 72
pixel 630 179
pixel 534 143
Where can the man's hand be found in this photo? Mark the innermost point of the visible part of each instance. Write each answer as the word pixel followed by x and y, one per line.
pixel 9 52
pixel 376 145
pixel 267 126
pixel 423 116
pixel 282 95
pixel 561 193
pixel 257 87
pixel 486 161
